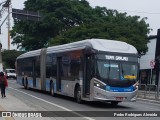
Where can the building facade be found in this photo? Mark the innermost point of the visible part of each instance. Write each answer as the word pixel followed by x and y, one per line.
pixel 150 62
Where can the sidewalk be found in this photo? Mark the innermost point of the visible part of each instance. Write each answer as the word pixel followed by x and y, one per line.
pixel 11 103
pixel 148 96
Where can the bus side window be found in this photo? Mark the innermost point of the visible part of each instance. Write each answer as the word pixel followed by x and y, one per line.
pixel 75 68
pixel 54 66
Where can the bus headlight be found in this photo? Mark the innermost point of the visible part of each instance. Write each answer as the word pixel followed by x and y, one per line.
pixel 99 85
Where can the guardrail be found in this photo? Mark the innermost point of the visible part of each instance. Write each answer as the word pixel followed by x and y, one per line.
pixel 148 91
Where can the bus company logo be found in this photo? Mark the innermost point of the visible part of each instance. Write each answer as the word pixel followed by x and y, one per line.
pixel 6 114
pixel 21 114
pixel 121 58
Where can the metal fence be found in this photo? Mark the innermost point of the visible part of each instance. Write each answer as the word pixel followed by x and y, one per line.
pixel 148 91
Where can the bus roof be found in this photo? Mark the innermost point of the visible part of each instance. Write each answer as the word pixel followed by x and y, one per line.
pixel 30 54
pixel 97 44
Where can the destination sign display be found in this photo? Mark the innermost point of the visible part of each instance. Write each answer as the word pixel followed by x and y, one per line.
pixel 121 58
pixel 118 58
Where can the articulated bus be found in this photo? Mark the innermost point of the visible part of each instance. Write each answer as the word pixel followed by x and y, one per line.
pixel 90 70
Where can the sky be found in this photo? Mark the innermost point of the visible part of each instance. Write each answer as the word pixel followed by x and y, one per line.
pixel 142 8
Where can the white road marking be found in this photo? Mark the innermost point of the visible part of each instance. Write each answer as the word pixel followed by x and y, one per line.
pixel 66 109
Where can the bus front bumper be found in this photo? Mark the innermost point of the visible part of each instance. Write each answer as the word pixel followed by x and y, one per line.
pixel 103 95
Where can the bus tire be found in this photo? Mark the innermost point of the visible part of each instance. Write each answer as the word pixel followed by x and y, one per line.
pixel 78 95
pixel 52 90
pixel 114 103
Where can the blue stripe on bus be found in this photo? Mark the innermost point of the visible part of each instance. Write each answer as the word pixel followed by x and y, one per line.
pixel 47 85
pixel 118 89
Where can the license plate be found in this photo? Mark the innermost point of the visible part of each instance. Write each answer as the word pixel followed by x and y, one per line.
pixel 119 98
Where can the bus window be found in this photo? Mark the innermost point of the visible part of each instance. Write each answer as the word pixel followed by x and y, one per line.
pixel 103 69
pixel 49 66
pixel 54 66
pixel 129 71
pixel 37 66
pixel 108 70
pixel 113 71
pixel 65 68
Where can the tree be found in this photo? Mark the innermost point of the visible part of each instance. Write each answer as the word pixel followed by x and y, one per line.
pixel 73 20
pixel 9 58
pixel 59 16
pixel 109 25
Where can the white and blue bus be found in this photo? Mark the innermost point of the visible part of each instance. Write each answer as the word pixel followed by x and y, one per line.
pixel 90 70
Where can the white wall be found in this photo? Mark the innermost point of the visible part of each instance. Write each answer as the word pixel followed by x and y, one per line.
pixel 150 55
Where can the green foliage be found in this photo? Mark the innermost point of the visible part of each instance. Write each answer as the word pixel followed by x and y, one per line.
pixel 59 16
pixel 73 20
pixel 9 58
pixel 120 27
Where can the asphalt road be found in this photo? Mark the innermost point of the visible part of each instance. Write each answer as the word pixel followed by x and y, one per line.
pixel 45 102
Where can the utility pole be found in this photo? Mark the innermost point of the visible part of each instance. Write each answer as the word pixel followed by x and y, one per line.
pixel 6 7
pixel 6 4
pixel 9 25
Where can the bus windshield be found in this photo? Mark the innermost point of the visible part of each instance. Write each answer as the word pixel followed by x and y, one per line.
pixel 116 71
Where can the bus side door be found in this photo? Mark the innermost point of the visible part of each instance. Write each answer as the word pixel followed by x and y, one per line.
pixel 59 69
pixel 34 73
pixel 87 74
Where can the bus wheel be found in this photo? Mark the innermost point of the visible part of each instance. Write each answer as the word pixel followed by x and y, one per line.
pixel 114 103
pixel 78 95
pixel 52 90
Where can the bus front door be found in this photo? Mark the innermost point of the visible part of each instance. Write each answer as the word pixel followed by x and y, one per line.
pixel 87 75
pixel 59 69
pixel 34 73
